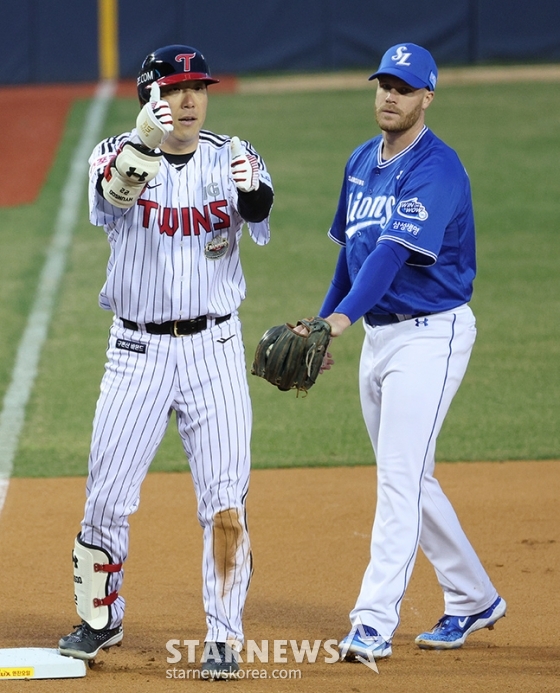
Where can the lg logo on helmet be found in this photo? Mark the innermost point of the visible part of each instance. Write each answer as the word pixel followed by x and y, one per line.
pixel 186 58
pixel 401 56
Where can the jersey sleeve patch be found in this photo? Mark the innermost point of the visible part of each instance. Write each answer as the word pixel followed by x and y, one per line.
pixel 408 216
pixel 405 227
pixel 412 209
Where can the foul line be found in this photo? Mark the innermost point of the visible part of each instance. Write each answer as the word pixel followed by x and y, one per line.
pixel 26 365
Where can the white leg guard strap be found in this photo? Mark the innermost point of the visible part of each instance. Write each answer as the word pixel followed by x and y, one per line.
pixel 92 566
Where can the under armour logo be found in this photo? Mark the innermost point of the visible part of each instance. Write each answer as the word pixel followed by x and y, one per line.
pixel 421 321
pixel 132 173
pixel 401 57
pixel 75 560
pixel 186 58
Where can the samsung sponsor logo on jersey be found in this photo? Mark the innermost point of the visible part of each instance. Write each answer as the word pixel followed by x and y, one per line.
pixel 364 210
pixel 412 209
pixel 128 345
pixel 406 226
pixel 353 179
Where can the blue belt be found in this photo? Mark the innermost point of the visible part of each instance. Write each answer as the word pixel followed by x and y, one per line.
pixel 380 319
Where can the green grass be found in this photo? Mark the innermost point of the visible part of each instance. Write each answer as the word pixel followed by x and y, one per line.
pixel 507 407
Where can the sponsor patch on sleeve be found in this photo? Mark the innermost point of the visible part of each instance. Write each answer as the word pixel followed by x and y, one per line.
pixel 100 163
pixel 406 227
pixel 412 209
pixel 129 345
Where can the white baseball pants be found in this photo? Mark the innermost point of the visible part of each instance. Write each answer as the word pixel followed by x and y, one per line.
pixel 202 377
pixel 409 374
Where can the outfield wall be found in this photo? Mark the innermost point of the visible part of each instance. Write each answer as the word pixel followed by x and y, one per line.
pixel 58 40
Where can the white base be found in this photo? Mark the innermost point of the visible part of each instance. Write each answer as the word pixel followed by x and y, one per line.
pixel 38 663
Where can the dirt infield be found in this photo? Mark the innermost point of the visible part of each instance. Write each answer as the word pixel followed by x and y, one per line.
pixel 33 119
pixel 310 533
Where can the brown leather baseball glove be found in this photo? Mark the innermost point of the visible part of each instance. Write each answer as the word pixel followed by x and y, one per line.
pixel 291 360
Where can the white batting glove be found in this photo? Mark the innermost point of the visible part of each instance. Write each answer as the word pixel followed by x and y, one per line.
pixel 244 167
pixel 154 122
pixel 126 175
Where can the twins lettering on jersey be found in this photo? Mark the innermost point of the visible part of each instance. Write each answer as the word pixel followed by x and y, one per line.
pixel 364 211
pixel 189 220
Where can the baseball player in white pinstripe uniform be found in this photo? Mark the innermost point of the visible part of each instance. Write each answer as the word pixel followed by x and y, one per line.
pixel 173 199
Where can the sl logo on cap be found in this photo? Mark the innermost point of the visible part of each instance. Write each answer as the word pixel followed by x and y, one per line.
pixel 401 56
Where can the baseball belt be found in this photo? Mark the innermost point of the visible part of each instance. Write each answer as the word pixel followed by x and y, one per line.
pixel 381 319
pixel 176 328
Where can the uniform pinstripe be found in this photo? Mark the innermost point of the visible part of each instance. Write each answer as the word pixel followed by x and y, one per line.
pixel 161 269
pixel 157 270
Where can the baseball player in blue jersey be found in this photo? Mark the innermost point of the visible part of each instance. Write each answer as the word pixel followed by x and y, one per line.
pixel 173 199
pixel 405 228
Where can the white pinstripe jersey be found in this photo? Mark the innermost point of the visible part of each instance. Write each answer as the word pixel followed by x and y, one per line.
pixel 157 270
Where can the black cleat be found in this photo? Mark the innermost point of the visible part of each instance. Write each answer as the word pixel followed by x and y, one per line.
pixel 220 662
pixel 85 642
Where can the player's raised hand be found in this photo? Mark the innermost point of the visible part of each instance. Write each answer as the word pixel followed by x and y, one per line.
pixel 155 121
pixel 244 167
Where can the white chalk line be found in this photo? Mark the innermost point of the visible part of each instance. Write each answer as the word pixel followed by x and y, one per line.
pixel 26 365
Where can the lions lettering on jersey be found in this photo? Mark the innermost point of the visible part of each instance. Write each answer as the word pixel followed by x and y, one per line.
pixel 365 211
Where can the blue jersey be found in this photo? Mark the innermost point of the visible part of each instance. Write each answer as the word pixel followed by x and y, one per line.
pixel 421 199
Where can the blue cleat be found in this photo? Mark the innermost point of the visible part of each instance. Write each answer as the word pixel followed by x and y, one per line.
pixel 452 631
pixel 363 641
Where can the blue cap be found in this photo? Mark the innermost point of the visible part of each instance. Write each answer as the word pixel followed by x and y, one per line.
pixel 411 63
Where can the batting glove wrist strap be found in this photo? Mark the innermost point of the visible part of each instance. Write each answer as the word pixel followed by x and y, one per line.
pixel 126 175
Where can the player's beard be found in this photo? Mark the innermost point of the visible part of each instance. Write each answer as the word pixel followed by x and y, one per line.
pixel 405 122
